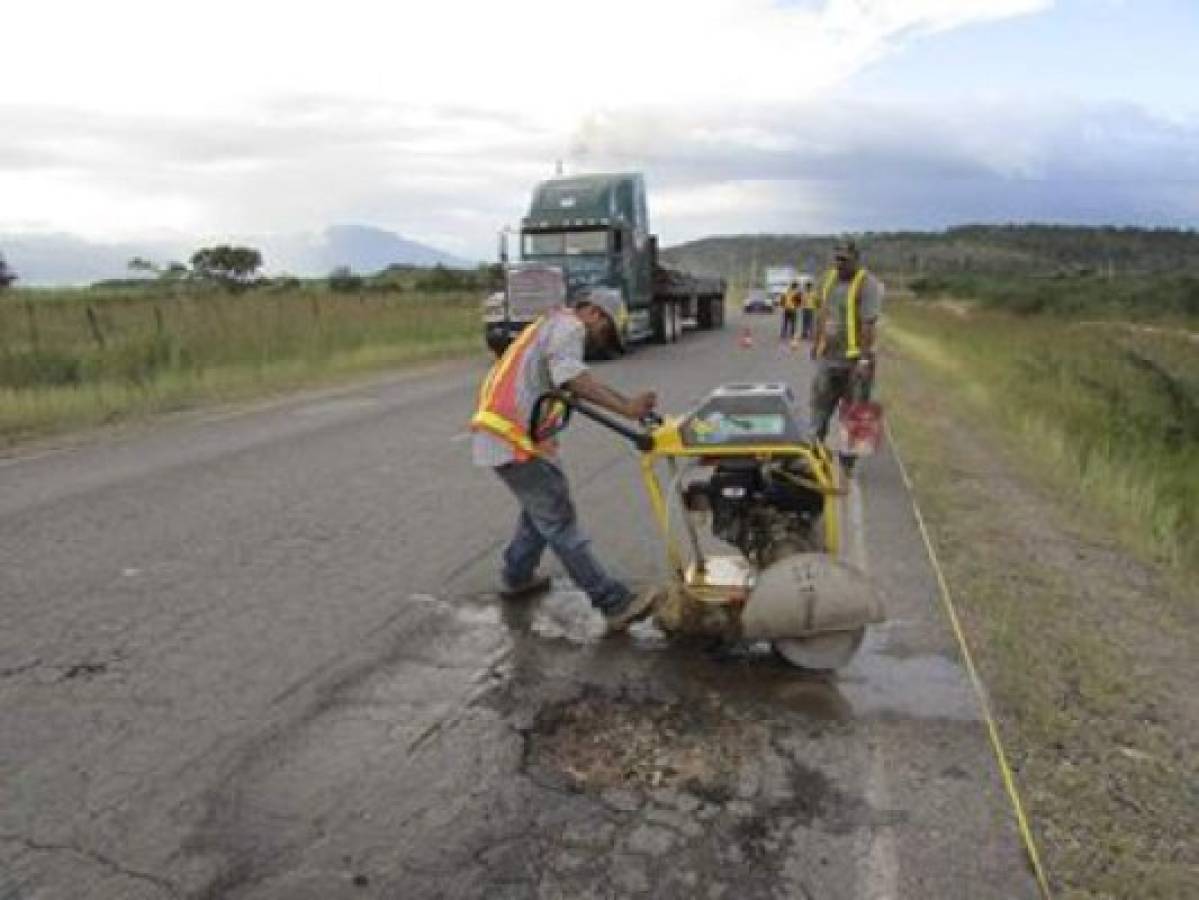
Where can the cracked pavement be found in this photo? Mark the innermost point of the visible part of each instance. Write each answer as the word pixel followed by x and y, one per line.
pixel 255 654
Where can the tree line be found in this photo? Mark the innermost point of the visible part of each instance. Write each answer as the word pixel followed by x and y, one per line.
pixel 236 268
pixel 1013 249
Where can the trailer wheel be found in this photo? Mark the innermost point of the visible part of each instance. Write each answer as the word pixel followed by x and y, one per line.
pixel 662 322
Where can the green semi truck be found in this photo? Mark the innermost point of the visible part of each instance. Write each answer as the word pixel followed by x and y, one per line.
pixel 589 232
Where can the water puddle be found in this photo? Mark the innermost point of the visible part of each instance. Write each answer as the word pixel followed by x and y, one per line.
pixel 908 686
pixel 746 675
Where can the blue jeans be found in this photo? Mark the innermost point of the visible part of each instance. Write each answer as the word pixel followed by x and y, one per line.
pixel 548 518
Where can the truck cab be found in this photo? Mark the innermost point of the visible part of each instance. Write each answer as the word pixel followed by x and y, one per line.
pixel 595 230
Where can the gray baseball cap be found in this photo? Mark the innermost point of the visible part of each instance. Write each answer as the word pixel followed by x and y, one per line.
pixel 611 303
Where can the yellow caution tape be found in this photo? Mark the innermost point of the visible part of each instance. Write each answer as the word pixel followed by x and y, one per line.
pixel 1005 770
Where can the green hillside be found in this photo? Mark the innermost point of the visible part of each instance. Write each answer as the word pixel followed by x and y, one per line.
pixel 971 249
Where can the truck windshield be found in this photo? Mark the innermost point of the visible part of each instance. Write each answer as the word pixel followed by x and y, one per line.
pixel 566 243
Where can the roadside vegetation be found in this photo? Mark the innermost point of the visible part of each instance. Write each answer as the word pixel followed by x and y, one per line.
pixel 1052 430
pixel 88 356
pixel 1098 385
pixel 1138 299
pixel 997 250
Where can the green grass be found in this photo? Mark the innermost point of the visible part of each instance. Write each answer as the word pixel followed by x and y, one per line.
pixel 1109 410
pixel 1032 443
pixel 1140 298
pixel 76 358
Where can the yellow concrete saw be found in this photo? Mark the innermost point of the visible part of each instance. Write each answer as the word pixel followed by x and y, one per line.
pixel 741 464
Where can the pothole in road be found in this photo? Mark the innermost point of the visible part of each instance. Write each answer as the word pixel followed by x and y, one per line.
pixel 600 741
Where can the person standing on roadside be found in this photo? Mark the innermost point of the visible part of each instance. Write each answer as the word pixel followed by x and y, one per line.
pixel 847 311
pixel 790 303
pixel 807 313
pixel 548 355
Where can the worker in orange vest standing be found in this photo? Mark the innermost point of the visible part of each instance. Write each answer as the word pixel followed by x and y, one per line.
pixel 549 355
pixel 848 307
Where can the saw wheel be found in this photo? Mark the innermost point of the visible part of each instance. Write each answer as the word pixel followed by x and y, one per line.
pixel 821 652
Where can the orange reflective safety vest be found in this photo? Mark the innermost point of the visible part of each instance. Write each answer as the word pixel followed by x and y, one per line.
pixel 852 350
pixel 500 410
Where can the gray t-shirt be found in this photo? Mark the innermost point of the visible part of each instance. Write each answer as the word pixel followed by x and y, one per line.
pixel 555 357
pixel 870 306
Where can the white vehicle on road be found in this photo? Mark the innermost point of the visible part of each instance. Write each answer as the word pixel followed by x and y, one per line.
pixel 778 279
pixel 757 300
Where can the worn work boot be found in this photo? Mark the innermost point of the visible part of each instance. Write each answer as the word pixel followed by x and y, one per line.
pixel 538 584
pixel 637 607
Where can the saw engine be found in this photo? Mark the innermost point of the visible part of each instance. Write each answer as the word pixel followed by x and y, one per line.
pixel 766 506
pixel 764 509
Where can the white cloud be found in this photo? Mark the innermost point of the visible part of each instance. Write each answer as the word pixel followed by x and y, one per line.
pixel 141 118
pixel 536 55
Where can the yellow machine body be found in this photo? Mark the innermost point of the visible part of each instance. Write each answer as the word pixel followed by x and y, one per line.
pixel 810 599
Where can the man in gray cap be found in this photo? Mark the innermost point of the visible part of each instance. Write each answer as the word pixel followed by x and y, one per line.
pixel 548 355
pixel 849 303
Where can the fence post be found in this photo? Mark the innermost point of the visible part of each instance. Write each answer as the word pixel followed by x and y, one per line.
pixel 94 325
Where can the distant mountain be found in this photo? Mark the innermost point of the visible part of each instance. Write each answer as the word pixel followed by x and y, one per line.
pixel 1031 249
pixel 48 259
pixel 366 249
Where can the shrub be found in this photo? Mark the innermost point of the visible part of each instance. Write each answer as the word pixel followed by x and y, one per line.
pixel 344 281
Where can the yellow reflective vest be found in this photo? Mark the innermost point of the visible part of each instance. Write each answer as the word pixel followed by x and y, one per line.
pixel 499 407
pixel 852 350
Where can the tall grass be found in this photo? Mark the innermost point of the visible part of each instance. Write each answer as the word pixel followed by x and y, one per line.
pixel 81 357
pixel 1113 410
pixel 1130 297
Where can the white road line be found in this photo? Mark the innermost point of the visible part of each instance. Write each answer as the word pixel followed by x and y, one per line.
pixel 881 881
pixel 459 438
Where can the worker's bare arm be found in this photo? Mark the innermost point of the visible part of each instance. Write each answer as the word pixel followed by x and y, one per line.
pixel 588 387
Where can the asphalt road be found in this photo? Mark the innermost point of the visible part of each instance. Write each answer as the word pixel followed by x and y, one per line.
pixel 257 655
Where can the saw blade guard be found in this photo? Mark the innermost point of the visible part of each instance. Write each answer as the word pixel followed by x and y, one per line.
pixel 808 594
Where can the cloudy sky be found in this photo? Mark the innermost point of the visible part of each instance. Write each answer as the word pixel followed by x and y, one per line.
pixel 142 120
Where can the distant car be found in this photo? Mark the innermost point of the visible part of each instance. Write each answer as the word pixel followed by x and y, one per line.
pixel 757 301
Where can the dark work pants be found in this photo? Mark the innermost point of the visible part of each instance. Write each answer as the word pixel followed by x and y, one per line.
pixel 788 325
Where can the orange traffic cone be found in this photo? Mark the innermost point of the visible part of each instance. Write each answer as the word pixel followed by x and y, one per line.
pixel 747 338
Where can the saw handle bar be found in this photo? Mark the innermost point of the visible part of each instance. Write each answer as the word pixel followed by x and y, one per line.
pixel 543 405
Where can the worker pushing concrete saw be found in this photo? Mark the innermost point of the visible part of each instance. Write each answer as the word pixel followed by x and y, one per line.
pixel 546 356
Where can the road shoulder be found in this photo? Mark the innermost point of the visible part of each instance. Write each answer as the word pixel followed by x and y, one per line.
pixel 1087 651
